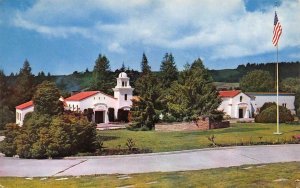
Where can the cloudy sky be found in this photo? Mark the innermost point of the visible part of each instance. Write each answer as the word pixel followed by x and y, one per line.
pixel 61 36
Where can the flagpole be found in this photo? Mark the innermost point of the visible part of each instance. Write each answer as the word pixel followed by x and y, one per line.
pixel 277 92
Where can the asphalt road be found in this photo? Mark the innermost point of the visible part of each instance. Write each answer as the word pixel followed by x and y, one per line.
pixel 156 162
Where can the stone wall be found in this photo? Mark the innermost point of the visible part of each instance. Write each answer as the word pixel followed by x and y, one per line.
pixel 202 124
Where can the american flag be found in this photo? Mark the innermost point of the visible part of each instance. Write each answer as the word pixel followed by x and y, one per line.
pixel 277 30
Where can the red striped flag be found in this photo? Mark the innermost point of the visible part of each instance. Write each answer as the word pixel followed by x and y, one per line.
pixel 277 30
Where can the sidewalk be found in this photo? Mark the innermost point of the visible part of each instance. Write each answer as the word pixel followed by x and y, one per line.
pixel 155 162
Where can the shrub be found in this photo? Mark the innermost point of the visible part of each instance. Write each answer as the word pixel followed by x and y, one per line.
pixel 88 113
pixel 269 115
pixel 267 105
pixel 47 137
pixel 169 118
pixel 8 147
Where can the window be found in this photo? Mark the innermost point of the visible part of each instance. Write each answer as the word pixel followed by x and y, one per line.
pixel 20 116
pixel 99 98
pixel 73 107
pixel 94 98
pixel 241 98
pixel 17 114
pixel 77 107
pixel 125 97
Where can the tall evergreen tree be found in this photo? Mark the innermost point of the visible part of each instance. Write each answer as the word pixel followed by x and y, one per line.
pixel 3 86
pixel 144 112
pixel 194 94
pixel 123 68
pixel 169 72
pixel 102 79
pixel 24 84
pixel 145 68
pixel 6 115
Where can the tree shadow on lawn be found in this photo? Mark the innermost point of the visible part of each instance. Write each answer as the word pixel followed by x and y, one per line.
pixel 219 131
pixel 108 138
pixel 292 131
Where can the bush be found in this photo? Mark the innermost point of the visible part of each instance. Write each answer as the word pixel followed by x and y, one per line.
pixel 267 105
pixel 169 118
pixel 8 146
pixel 43 136
pixel 88 113
pixel 269 115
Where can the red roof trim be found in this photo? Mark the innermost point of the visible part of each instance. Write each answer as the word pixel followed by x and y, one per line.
pixel 24 105
pixel 84 95
pixel 230 94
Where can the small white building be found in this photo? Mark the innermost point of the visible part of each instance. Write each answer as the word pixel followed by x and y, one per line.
pixel 96 100
pixel 21 110
pixel 237 104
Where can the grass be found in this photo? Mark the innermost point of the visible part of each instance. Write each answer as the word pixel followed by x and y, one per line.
pixel 172 141
pixel 243 176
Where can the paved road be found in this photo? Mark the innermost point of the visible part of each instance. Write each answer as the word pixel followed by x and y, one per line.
pixel 169 161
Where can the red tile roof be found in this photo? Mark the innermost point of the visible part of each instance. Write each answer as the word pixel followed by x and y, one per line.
pixel 82 95
pixel 25 105
pixel 232 93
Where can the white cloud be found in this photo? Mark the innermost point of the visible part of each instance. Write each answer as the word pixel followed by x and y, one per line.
pixel 115 47
pixel 223 27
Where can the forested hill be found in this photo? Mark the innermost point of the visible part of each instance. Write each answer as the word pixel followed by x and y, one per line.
pixel 81 80
pixel 286 69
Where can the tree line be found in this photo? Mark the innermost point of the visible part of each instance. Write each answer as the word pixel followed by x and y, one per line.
pixel 286 70
pixel 169 86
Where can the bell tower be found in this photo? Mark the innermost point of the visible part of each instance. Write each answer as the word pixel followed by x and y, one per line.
pixel 123 91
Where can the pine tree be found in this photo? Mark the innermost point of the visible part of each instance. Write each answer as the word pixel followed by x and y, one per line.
pixel 144 111
pixel 102 79
pixel 3 86
pixel 123 68
pixel 194 94
pixel 145 68
pixel 169 72
pixel 24 84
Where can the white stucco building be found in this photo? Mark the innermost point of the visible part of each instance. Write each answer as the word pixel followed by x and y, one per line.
pixel 237 104
pixel 284 99
pixel 21 110
pixel 96 100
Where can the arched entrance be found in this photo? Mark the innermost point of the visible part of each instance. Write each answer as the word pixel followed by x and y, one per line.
pixel 242 110
pixel 100 110
pixel 123 114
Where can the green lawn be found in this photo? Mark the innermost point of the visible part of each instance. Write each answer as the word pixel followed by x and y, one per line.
pixel 172 141
pixel 269 175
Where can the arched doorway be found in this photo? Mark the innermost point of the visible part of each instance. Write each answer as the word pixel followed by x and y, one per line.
pixel 100 110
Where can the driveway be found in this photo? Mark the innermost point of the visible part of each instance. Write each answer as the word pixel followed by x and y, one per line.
pixel 155 162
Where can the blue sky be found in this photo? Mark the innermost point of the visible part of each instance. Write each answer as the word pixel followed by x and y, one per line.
pixel 61 36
